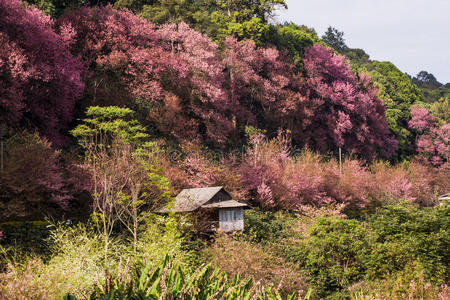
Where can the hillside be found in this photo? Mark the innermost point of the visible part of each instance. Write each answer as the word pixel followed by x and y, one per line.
pixel 110 108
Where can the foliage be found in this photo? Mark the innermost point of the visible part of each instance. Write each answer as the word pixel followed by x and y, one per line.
pixel 218 19
pixel 26 237
pixel 410 239
pixel 159 236
pixel 396 243
pixel 74 264
pixel 199 108
pixel 254 261
pixel 398 94
pixel 265 226
pixel 166 72
pixel 295 39
pixel 41 80
pixel 193 12
pixel 103 124
pixel 55 8
pixel 441 111
pixel 432 142
pixel 74 260
pixel 425 79
pixel 275 178
pixel 125 177
pixel 333 256
pixel 244 19
pixel 193 166
pixel 342 109
pixel 169 280
pixel 431 89
pixel 34 182
pixel 260 85
pixel 416 288
pixel 335 39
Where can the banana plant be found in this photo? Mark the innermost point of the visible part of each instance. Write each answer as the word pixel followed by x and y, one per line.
pixel 168 281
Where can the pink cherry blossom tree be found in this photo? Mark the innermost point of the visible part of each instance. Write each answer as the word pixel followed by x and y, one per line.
pixel 339 108
pixel 41 79
pixel 173 74
pixel 433 143
pixel 257 81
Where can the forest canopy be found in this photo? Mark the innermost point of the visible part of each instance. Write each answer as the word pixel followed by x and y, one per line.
pixel 108 109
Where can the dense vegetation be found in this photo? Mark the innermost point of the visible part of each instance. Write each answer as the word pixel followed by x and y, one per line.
pixel 109 108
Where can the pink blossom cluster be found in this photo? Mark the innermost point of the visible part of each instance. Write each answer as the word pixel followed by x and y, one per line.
pixel 41 79
pixel 276 179
pixel 432 143
pixel 34 179
pixel 173 71
pixel 195 91
pixel 341 109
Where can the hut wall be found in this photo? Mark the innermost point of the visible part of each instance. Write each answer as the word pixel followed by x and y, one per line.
pixel 231 219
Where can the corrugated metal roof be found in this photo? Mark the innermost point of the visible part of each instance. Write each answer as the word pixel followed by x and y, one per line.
pixel 444 197
pixel 191 199
pixel 225 204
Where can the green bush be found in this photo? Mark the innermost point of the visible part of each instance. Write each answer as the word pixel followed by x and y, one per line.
pixel 265 226
pixel 28 237
pixel 409 237
pixel 333 254
pixel 399 243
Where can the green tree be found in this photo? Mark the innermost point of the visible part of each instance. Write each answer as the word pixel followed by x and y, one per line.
pixel 123 167
pixel 244 19
pixel 425 79
pixel 175 11
pixel 357 56
pixel 293 38
pixel 193 12
pixel 335 39
pixel 216 18
pixel 398 94
pixel 103 124
pixel 55 8
pixel 441 110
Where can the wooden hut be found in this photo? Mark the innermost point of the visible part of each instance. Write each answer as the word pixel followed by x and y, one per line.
pixel 213 208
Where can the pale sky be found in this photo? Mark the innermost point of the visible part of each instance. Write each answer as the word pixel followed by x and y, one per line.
pixel 412 34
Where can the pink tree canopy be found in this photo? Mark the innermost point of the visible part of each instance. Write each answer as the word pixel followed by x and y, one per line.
pixel 257 82
pixel 172 73
pixel 41 80
pixel 339 108
pixel 432 142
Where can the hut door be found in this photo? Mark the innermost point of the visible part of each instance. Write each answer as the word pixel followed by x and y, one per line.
pixel 231 219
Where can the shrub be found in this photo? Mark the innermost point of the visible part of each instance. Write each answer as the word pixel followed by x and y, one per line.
pixel 34 180
pixel 407 288
pixel 15 284
pixel 265 226
pixel 397 243
pixel 27 237
pixel 75 260
pixel 255 261
pixel 410 239
pixel 169 281
pixel 74 265
pixel 332 255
